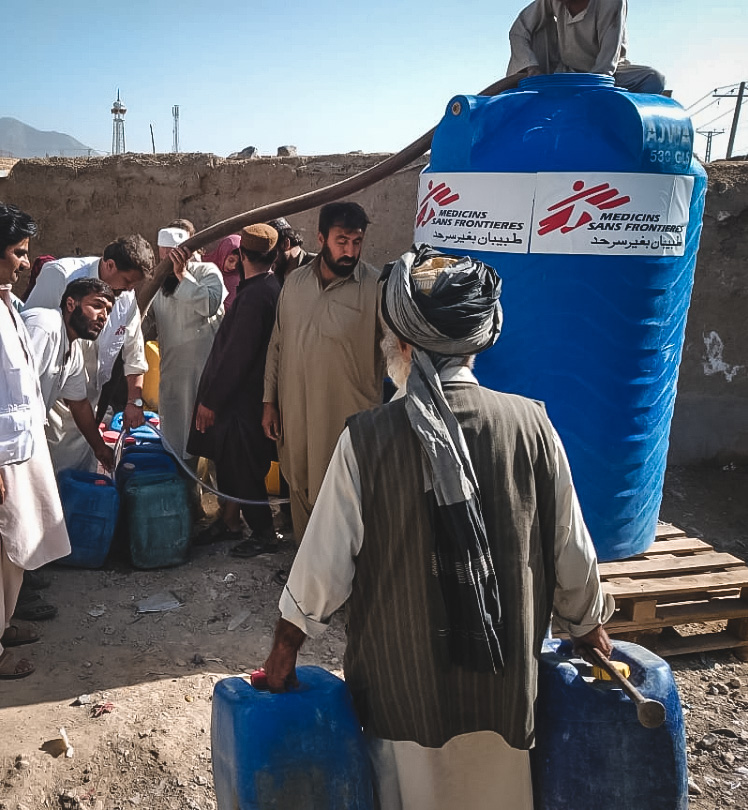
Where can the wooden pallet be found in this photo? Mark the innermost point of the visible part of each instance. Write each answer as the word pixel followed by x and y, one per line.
pixel 679 580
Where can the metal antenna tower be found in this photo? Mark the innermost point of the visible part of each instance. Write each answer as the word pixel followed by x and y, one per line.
pixel 709 134
pixel 175 113
pixel 118 127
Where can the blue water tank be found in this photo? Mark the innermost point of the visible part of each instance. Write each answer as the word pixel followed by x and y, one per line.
pixel 157 519
pixel 591 751
pixel 588 202
pixel 90 503
pixel 303 749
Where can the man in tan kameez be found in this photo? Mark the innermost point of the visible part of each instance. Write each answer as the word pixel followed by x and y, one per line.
pixel 324 361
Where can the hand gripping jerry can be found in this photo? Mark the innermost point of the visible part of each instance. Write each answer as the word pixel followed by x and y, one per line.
pixel 590 749
pixel 300 750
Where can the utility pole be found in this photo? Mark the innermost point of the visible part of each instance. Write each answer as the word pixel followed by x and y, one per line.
pixel 736 115
pixel 709 134
pixel 734 127
pixel 153 140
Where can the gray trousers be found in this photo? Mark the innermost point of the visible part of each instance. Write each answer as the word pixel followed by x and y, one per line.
pixel 639 79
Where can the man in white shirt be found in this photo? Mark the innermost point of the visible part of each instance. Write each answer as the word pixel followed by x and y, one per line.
pixel 55 338
pixel 578 36
pixel 449 525
pixel 32 527
pixel 125 263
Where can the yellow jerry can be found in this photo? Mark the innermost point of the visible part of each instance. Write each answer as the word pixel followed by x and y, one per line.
pixel 272 479
pixel 153 375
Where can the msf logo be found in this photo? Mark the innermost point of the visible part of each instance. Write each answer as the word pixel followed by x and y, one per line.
pixel 566 215
pixel 439 196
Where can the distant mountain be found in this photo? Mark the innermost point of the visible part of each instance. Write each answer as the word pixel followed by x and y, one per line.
pixel 21 140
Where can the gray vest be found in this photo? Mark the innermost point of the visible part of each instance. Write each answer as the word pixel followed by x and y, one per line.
pixel 402 685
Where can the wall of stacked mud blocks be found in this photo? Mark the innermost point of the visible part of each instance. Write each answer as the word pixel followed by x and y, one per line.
pixel 81 205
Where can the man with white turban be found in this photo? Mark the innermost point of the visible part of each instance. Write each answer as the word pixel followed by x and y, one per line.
pixel 449 524
pixel 188 309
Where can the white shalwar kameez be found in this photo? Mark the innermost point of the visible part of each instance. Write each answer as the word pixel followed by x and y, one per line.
pixel 59 362
pixel 477 771
pixel 187 322
pixel 67 445
pixel 32 527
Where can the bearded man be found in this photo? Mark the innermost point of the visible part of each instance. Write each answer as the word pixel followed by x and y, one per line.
pixel 124 264
pixel 324 361
pixel 55 334
pixel 449 524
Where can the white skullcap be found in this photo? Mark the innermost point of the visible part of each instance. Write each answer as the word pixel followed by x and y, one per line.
pixel 171 237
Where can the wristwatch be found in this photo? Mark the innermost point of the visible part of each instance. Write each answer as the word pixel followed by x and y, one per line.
pixel 138 403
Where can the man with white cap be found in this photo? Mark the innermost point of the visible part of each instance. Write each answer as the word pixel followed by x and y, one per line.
pixel 124 264
pixel 449 524
pixel 188 309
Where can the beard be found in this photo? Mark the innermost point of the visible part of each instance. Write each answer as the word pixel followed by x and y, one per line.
pixel 82 326
pixel 398 367
pixel 342 268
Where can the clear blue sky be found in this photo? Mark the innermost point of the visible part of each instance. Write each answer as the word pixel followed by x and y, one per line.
pixel 323 75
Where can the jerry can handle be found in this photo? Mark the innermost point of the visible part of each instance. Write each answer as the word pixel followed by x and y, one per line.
pixel 259 679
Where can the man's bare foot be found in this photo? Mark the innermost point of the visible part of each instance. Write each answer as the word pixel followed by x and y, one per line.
pixel 12 668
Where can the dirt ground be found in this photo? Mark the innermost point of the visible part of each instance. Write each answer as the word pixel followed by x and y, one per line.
pixel 157 671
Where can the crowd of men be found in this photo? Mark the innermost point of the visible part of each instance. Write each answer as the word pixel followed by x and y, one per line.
pixel 445 519
pixel 395 503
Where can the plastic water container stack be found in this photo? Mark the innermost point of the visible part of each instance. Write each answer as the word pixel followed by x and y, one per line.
pixel 155 506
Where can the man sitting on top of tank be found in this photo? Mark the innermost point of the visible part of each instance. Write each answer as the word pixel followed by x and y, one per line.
pixel 578 36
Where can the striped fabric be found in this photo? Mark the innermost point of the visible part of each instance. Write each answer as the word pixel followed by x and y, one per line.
pixel 447 308
pixel 397 664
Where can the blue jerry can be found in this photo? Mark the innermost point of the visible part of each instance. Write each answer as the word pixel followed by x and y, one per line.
pixel 590 749
pixel 300 750
pixel 139 459
pixel 90 503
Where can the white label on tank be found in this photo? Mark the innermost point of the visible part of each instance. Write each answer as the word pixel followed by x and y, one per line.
pixel 603 213
pixel 613 214
pixel 475 211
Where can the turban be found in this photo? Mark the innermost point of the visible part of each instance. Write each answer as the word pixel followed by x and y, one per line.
pixel 444 304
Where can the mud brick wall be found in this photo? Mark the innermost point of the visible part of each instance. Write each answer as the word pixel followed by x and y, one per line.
pixel 81 205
